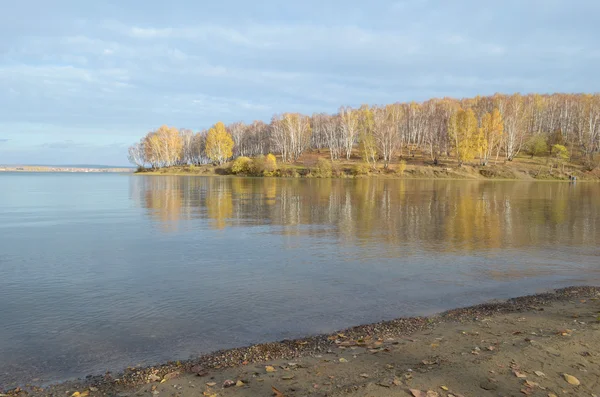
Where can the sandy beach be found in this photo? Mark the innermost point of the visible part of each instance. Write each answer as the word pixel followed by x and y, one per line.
pixel 540 345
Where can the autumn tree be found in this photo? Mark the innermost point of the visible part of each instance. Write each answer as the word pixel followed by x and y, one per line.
pixel 513 126
pixel 187 146
pixel 349 129
pixel 462 127
pixel 219 144
pixel 589 134
pixel 507 124
pixel 367 142
pixel 162 147
pixel 386 123
pixel 492 130
pixel 238 134
pixel 291 134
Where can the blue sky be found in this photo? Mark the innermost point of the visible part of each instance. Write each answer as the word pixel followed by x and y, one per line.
pixel 81 80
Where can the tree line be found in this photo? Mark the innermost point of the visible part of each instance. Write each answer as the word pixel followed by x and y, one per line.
pixel 484 128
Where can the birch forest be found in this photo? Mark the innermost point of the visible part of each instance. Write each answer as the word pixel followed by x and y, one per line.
pixel 475 130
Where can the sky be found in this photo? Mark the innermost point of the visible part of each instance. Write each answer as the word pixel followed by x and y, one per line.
pixel 82 80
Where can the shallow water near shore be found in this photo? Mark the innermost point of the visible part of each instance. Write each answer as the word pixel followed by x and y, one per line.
pixel 104 271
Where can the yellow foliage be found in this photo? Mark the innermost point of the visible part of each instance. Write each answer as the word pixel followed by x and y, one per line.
pixel 462 127
pixel 360 169
pixel 163 146
pixel 269 165
pixel 219 144
pixel 242 165
pixel 323 169
pixel 560 152
pixel 490 133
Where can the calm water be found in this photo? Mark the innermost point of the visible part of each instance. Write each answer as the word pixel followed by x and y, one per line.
pixel 99 272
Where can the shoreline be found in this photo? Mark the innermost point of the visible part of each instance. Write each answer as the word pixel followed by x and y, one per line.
pixel 367 177
pixel 310 348
pixel 513 172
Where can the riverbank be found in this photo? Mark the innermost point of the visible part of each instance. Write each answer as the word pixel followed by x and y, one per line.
pixel 539 345
pixel 522 168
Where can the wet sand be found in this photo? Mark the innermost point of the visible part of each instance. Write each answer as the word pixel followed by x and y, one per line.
pixel 540 345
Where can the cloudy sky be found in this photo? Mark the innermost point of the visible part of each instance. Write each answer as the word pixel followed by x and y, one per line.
pixel 81 80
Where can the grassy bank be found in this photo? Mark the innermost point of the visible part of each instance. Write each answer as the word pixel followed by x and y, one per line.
pixel 539 345
pixel 318 165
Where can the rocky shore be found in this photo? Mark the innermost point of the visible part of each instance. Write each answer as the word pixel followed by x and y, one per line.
pixel 539 345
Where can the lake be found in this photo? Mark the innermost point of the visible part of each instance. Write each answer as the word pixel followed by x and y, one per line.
pixel 103 271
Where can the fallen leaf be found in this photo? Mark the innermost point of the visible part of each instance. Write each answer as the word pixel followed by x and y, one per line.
pixel 445 388
pixel 552 395
pixel 270 368
pixel 519 374
pixel 277 392
pixel 531 384
pixel 571 380
pixel 364 375
pixel 418 393
pixel 431 393
pixel 239 383
pixel 540 374
pixel 287 377
pixel 396 381
pixel 211 384
pixel 343 360
pixel 209 394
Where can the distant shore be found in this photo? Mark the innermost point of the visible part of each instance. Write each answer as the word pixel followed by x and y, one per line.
pixel 520 169
pixel 504 347
pixel 32 168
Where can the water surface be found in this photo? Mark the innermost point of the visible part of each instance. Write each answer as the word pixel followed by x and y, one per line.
pixel 103 271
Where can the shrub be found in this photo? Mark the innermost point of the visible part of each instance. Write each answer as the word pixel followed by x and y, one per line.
pixel 560 152
pixel 323 169
pixel 289 172
pixel 401 167
pixel 269 165
pixel 242 165
pixel 536 145
pixel 360 169
pixel 258 165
